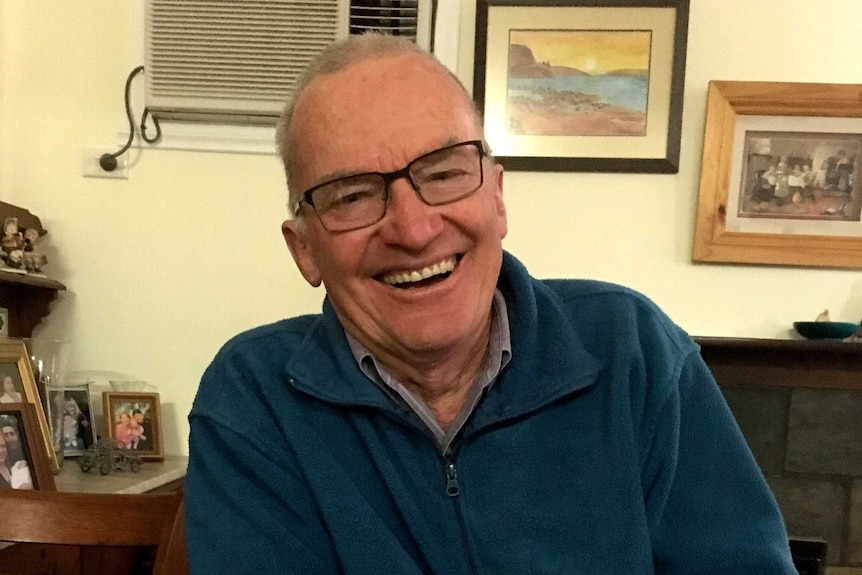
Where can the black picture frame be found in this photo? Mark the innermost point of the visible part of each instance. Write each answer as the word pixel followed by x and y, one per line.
pixel 656 150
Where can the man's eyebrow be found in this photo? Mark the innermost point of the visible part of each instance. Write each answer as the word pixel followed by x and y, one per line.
pixel 344 173
pixel 339 174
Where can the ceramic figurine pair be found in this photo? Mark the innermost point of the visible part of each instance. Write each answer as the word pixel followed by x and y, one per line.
pixel 18 251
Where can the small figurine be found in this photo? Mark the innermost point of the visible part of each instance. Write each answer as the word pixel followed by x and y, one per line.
pixel 106 455
pixel 33 260
pixel 12 245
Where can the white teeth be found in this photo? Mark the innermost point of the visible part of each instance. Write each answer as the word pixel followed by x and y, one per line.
pixel 443 267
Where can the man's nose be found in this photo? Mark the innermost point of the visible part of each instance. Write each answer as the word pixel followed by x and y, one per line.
pixel 409 221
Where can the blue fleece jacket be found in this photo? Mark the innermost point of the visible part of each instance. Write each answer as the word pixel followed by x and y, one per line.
pixel 604 447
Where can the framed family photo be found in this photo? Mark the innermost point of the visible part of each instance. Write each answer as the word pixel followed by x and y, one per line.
pixel 23 461
pixel 779 178
pixel 582 85
pixel 133 421
pixel 19 386
pixel 70 412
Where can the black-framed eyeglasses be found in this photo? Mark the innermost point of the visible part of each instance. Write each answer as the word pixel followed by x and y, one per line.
pixel 440 177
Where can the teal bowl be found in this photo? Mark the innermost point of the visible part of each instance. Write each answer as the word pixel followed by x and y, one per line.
pixel 825 329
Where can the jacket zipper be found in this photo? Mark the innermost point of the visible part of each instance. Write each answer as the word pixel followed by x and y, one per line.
pixel 453 489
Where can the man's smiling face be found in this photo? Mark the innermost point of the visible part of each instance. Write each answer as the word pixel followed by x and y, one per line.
pixel 422 279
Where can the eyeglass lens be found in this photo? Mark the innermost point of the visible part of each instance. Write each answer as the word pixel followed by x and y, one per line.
pixel 439 177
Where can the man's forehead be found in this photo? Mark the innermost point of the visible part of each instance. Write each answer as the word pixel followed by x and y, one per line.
pixel 388 86
pixel 376 115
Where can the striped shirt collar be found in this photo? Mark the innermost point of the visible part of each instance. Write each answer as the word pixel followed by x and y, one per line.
pixel 499 355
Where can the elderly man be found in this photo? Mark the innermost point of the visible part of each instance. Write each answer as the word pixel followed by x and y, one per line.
pixel 447 413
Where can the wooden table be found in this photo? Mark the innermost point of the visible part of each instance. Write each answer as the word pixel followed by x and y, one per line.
pixel 167 475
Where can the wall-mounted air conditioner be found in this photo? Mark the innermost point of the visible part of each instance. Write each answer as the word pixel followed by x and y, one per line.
pixel 236 61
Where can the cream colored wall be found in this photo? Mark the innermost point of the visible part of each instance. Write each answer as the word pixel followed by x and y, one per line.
pixel 163 267
pixel 637 229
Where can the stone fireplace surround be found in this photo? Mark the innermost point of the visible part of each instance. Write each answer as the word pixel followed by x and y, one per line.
pixel 799 405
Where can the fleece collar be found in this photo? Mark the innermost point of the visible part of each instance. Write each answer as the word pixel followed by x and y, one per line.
pixel 548 361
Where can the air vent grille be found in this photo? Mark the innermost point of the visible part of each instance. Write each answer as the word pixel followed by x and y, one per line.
pixel 238 60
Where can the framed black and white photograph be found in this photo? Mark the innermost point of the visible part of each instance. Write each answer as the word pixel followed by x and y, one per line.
pixel 582 85
pixel 23 461
pixel 780 175
pixel 800 175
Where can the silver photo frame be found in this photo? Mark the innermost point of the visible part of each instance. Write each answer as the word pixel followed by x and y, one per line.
pixel 71 412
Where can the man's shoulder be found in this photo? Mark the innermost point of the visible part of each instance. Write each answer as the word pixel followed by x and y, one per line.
pixel 247 373
pixel 573 288
pixel 284 336
pixel 594 295
pixel 259 354
pixel 584 293
pixel 609 309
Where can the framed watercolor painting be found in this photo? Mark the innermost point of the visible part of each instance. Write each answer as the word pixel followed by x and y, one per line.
pixel 133 420
pixel 19 386
pixel 23 461
pixel 779 178
pixel 582 85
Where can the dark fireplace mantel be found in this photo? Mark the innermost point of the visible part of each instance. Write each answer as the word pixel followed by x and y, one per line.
pixel 799 406
pixel 777 362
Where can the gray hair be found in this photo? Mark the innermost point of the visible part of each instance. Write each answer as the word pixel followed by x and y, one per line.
pixel 337 57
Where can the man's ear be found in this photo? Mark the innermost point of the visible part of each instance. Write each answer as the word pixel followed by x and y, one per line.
pixel 502 219
pixel 301 252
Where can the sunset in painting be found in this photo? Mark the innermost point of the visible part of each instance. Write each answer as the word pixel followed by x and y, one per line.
pixel 592 52
pixel 578 83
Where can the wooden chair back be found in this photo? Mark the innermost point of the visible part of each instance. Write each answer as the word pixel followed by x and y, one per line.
pixel 88 520
pixel 172 558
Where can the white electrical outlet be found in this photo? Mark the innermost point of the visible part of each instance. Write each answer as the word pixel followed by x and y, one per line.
pixel 92 169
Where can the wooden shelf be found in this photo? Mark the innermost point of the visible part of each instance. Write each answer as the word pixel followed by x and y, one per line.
pixel 779 362
pixel 804 346
pixel 28 299
pixel 30 280
pixel 26 296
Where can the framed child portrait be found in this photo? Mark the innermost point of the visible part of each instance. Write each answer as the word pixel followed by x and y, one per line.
pixel 71 416
pixel 17 385
pixel 23 461
pixel 133 421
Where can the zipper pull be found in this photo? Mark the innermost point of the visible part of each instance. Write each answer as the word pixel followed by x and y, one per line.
pixel 452 487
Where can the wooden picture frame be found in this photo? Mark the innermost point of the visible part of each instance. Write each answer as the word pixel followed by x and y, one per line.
pixel 15 365
pixel 582 85
pixel 757 124
pixel 31 468
pixel 120 409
